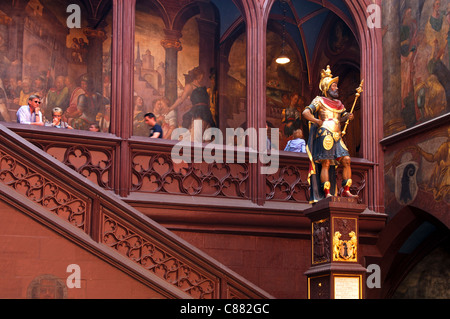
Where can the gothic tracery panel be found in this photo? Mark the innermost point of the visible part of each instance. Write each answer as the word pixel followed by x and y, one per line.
pixel 93 162
pixel 158 259
pixel 290 183
pixel 47 193
pixel 158 173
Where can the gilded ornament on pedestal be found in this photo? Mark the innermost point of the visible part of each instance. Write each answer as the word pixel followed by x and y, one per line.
pixel 345 250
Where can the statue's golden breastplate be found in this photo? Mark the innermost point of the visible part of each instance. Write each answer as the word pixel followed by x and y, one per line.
pixel 330 119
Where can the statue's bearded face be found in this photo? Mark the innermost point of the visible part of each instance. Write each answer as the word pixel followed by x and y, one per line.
pixel 333 91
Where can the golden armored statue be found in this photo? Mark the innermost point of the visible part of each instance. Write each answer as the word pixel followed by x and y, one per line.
pixel 325 147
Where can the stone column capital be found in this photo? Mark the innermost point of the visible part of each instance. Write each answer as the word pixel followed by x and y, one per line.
pixel 95 34
pixel 171 44
pixel 172 40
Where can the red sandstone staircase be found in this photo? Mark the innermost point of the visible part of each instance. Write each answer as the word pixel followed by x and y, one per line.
pixel 98 221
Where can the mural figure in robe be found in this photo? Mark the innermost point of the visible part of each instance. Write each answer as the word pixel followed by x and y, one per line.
pixel 200 100
pixel 439 182
pixel 291 116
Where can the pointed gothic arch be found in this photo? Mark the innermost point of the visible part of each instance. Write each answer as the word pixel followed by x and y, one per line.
pixel 410 236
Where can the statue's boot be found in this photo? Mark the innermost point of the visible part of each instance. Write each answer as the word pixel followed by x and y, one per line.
pixel 326 189
pixel 346 192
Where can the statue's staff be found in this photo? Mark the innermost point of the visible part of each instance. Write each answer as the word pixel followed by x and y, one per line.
pixel 358 94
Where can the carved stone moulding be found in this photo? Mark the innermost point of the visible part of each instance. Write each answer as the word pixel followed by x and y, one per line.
pixel 290 183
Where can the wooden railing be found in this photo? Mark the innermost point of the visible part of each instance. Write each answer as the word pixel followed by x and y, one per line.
pixel 141 165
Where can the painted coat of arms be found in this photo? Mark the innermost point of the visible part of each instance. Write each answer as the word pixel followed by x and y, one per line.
pixel 406 183
pixel 345 250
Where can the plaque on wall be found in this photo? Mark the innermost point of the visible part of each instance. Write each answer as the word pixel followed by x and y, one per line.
pixel 347 287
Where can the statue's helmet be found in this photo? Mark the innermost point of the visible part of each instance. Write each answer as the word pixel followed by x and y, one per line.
pixel 326 80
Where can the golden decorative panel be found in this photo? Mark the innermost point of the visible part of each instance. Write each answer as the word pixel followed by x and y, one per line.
pixel 345 239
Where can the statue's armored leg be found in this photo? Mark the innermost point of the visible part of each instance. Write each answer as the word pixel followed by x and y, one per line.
pixel 325 177
pixel 347 175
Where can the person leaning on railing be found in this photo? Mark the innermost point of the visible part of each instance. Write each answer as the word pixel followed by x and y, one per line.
pixel 56 119
pixel 31 113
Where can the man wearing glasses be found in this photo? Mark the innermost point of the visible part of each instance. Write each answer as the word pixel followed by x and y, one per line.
pixel 31 113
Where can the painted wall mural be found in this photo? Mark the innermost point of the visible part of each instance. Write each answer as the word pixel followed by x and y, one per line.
pixel 67 67
pixel 284 92
pixel 175 72
pixel 416 51
pixel 416 80
pixel 418 174
pixel 178 57
pixel 233 85
pixel 149 75
pixel 174 42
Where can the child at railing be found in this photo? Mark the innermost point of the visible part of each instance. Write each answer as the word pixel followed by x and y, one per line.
pixel 297 144
pixel 56 119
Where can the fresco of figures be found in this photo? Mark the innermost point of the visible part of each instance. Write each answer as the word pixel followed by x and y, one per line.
pixel 164 91
pixel 179 54
pixel 417 55
pixel 67 67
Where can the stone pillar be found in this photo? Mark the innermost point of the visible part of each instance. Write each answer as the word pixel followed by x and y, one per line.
pixel 172 45
pixel 122 91
pixel 335 270
pixel 256 29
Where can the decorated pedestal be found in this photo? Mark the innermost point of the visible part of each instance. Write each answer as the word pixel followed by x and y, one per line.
pixel 335 271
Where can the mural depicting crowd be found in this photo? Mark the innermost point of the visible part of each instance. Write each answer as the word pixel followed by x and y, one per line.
pixel 81 104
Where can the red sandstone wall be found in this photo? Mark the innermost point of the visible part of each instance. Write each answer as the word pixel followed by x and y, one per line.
pixel 31 253
pixel 277 265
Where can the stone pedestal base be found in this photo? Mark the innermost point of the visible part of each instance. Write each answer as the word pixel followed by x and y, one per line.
pixel 335 270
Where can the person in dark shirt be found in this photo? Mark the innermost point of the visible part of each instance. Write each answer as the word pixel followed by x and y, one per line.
pixel 155 129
